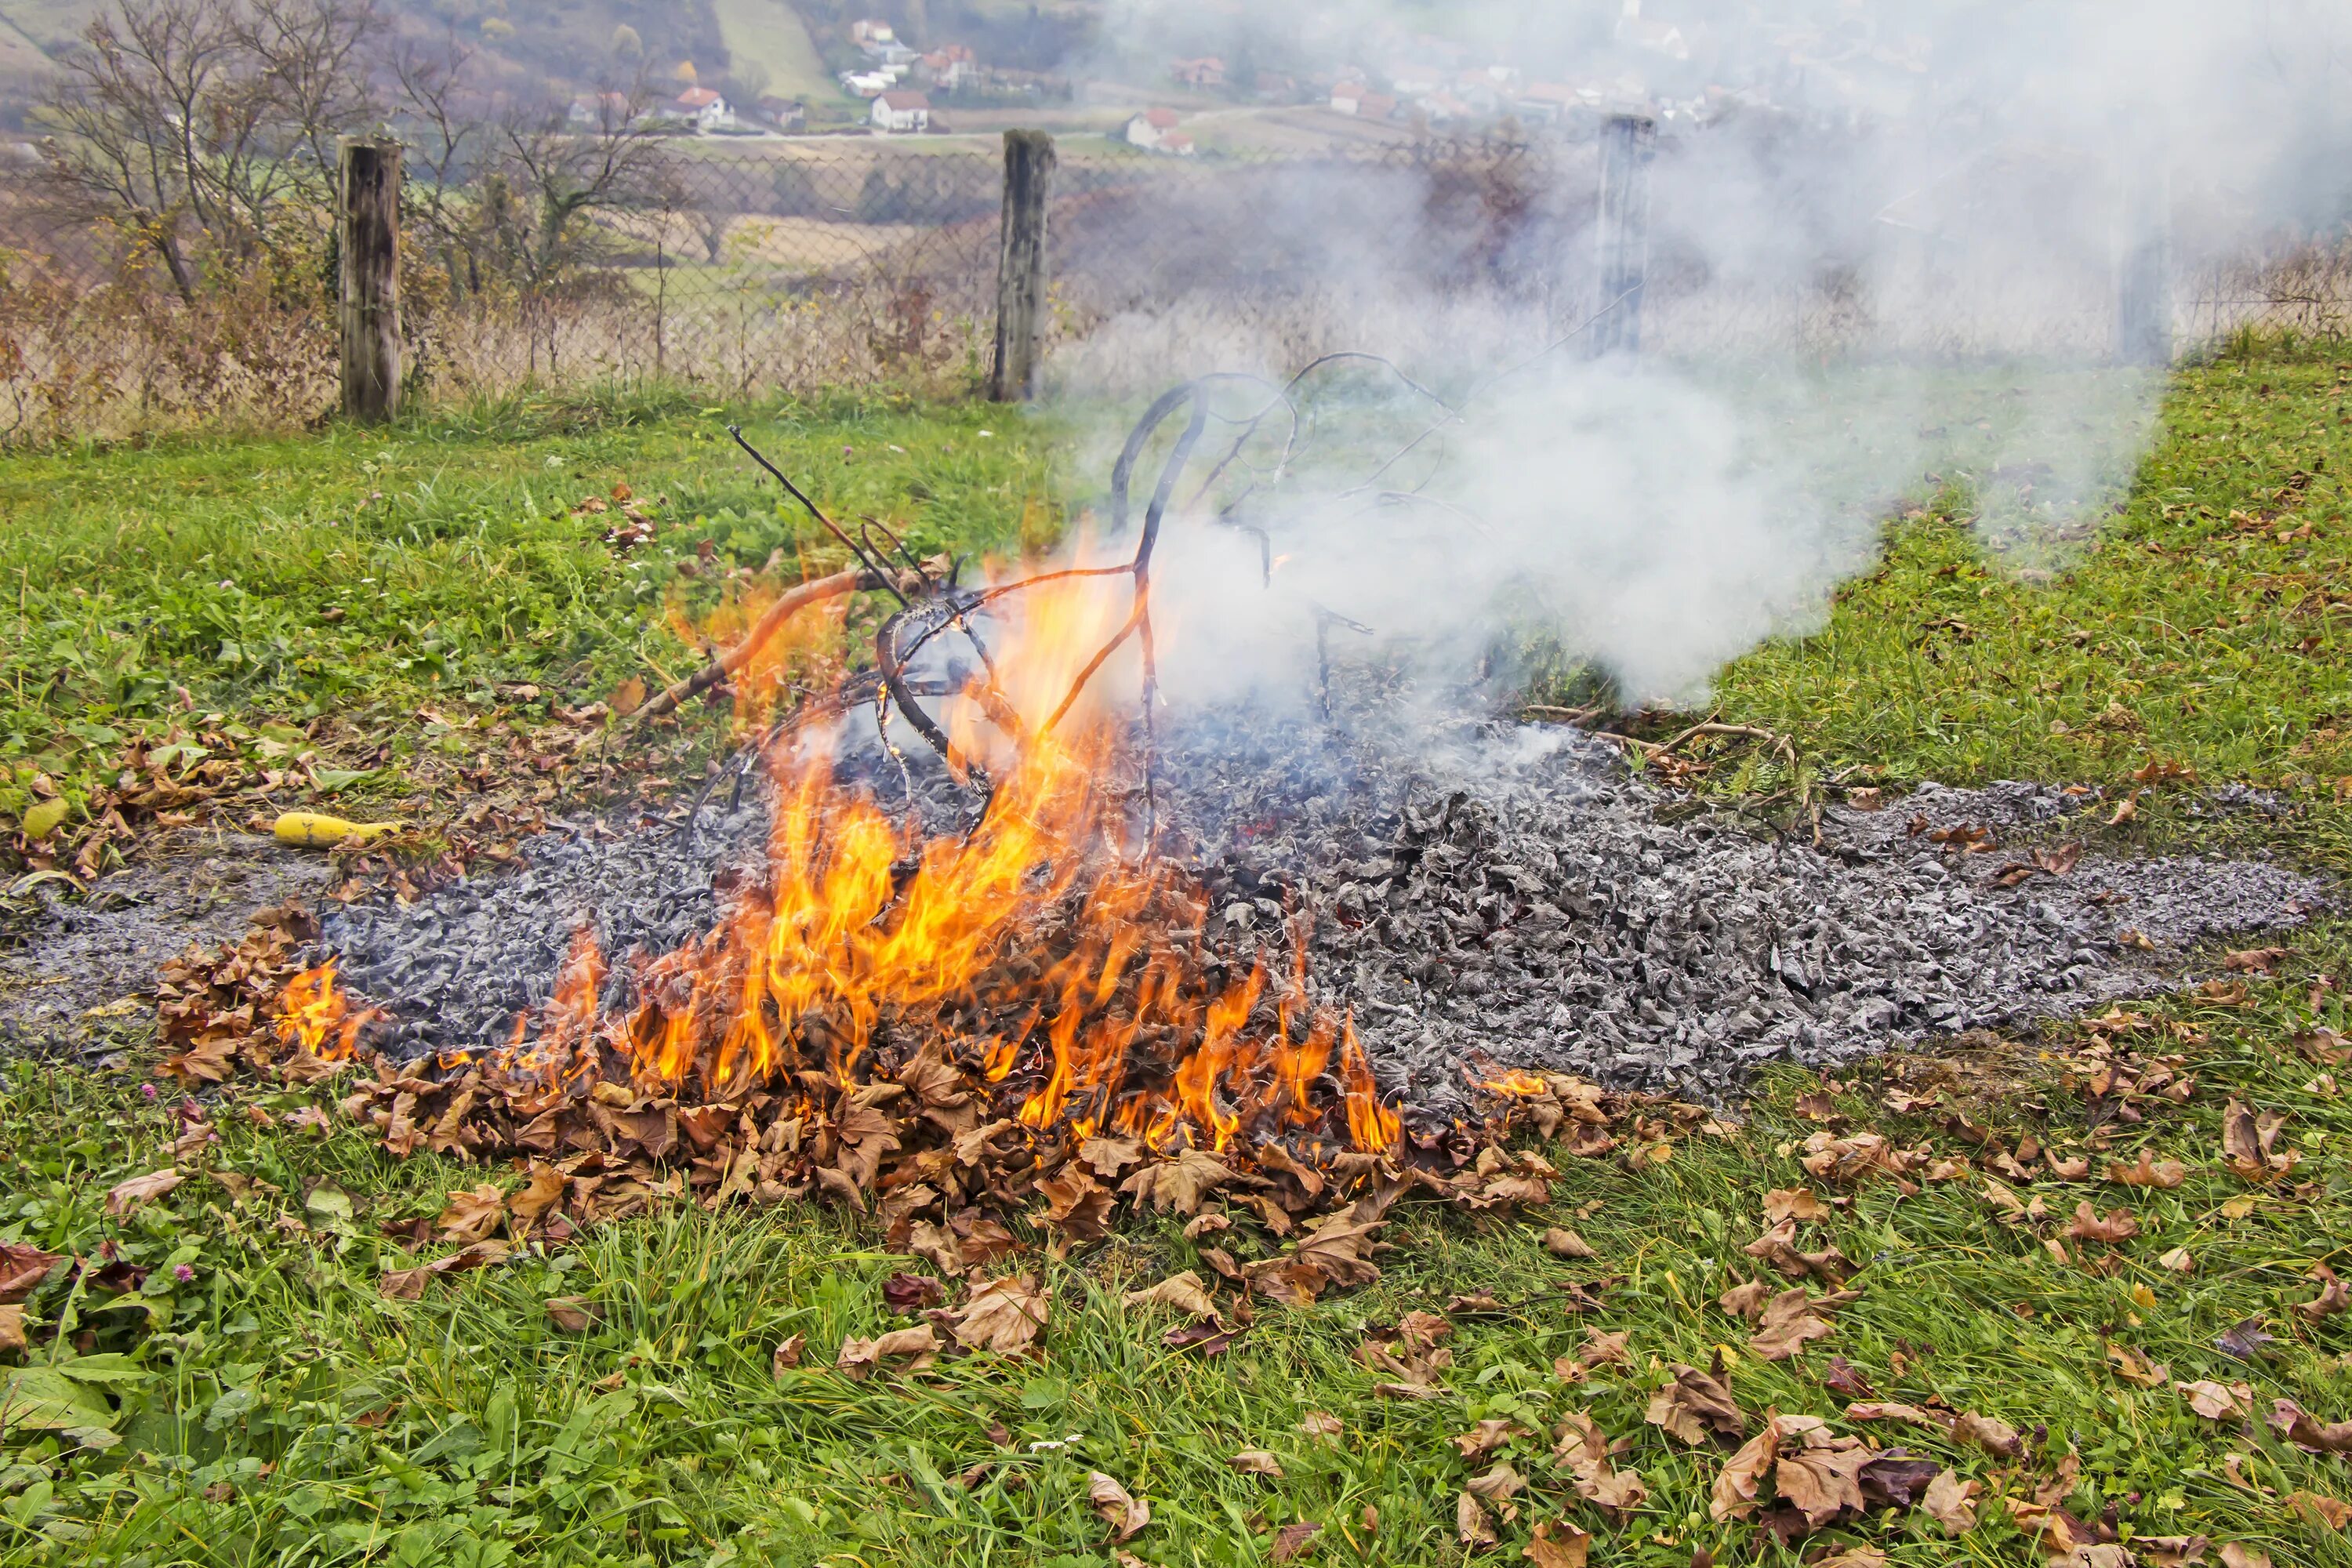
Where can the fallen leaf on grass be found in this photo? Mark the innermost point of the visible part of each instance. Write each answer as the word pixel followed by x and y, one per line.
pixel 1844 1379
pixel 2238 1554
pixel 2332 1298
pixel 1292 1539
pixel 1746 1300
pixel 860 1359
pixel 1183 1292
pixel 12 1327
pixel 788 1355
pixel 2319 1509
pixel 22 1270
pixel 1990 1433
pixel 1471 1524
pixel 1853 1557
pixel 1255 1462
pixel 472 1215
pixel 1812 1470
pixel 573 1314
pixel 1787 1325
pixel 1693 1406
pixel 2149 1173
pixel 1486 1438
pixel 2294 1423
pixel 2248 1138
pixel 1584 1448
pixel 1792 1203
pixel 408 1284
pixel 1562 1243
pixel 2134 1367
pixel 123 1196
pixel 1605 1349
pixel 2254 960
pixel 1950 1501
pixel 1556 1544
pixel 2113 1229
pixel 2244 1340
pixel 913 1292
pixel 1125 1514
pixel 2178 1260
pixel 1319 1426
pixel 1912 1413
pixel 1003 1315
pixel 2216 1401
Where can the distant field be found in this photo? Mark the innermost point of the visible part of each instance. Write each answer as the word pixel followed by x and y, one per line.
pixel 19 55
pixel 772 35
pixel 41 23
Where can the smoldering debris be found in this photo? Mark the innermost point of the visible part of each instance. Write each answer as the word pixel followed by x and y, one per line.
pixel 1500 897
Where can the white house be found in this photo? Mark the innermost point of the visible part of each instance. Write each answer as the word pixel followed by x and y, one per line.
pixel 872 35
pixel 1349 97
pixel 701 108
pixel 1152 127
pixel 902 112
pixel 868 84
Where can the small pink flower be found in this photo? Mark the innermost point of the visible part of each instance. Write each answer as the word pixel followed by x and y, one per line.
pixel 148 1089
pixel 182 1273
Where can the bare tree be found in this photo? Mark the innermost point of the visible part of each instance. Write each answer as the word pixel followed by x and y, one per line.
pixel 181 118
pixel 614 158
pixel 447 126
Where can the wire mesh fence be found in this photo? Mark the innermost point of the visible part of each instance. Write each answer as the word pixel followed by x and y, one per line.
pixel 577 257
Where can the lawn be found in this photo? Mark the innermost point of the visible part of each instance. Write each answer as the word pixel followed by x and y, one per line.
pixel 225 1381
pixel 773 36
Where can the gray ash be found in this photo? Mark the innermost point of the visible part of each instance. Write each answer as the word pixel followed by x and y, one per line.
pixel 1487 896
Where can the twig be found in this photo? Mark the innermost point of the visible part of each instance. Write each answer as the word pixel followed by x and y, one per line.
pixel 730 660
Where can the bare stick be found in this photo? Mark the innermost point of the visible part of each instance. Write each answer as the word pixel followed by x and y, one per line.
pixel 732 660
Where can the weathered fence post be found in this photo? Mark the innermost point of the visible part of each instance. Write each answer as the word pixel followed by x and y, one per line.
pixel 1021 265
pixel 1627 141
pixel 2144 279
pixel 370 191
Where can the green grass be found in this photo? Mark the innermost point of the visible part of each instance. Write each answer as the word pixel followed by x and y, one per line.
pixel 773 35
pixel 356 577
pixel 275 1408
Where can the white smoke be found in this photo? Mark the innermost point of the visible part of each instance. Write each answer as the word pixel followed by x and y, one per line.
pixel 1949 189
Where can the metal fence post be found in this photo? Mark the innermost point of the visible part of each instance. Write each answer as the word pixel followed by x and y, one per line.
pixel 1627 141
pixel 2143 281
pixel 370 278
pixel 1021 267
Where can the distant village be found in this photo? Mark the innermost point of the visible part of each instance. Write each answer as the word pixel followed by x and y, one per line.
pixel 1424 81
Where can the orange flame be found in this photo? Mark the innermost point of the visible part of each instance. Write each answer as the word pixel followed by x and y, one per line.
pixel 314 1013
pixel 865 933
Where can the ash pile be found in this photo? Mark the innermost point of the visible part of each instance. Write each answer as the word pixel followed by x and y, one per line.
pixel 1485 896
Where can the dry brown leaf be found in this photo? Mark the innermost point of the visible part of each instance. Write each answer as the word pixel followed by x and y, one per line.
pixel 2218 1402
pixel 1605 1349
pixel 22 1270
pixel 1733 1493
pixel 123 1196
pixel 1746 1300
pixel 1853 1557
pixel 1793 1203
pixel 1821 1475
pixel 1293 1538
pixel 408 1284
pixel 1556 1544
pixel 1786 1326
pixel 1472 1526
pixel 1486 1438
pixel 1124 1513
pixel 1950 1502
pixel 1323 1427
pixel 860 1359
pixel 1498 1484
pixel 1181 1292
pixel 1584 1448
pixel 1003 1315
pixel 573 1314
pixel 1255 1462
pixel 542 1193
pixel 11 1327
pixel 2149 1173
pixel 1989 1433
pixel 472 1215
pixel 1562 1243
pixel 1180 1184
pixel 2332 1298
pixel 788 1355
pixel 2113 1229
pixel 1693 1406
pixel 1889 1412
pixel 2238 1554
pixel 2320 1509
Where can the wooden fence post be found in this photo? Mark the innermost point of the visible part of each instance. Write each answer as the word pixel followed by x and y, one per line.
pixel 2144 280
pixel 1021 267
pixel 1627 141
pixel 370 278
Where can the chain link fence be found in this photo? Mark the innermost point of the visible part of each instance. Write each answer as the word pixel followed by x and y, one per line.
pixel 579 259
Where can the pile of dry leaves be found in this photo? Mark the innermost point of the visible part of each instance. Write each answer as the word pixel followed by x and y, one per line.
pixel 919 1147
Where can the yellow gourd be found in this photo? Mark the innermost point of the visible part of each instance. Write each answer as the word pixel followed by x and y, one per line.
pixel 310 830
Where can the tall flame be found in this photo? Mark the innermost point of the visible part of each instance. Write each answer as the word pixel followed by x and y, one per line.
pixel 1036 948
